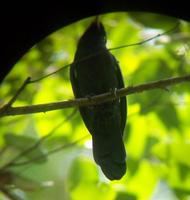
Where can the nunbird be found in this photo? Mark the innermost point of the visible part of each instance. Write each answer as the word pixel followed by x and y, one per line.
pixel 96 71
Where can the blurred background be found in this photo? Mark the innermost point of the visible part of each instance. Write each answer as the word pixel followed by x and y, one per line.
pixel 157 136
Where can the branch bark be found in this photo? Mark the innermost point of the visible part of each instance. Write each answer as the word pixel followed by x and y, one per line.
pixel 95 100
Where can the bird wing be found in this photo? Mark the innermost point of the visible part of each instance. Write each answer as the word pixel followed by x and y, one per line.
pixel 123 100
pixel 86 113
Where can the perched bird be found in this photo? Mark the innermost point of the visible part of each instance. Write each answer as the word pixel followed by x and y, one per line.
pixel 96 71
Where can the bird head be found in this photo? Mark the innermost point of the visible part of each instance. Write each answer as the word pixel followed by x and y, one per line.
pixel 94 36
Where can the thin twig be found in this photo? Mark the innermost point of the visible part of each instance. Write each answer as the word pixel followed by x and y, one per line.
pixel 101 51
pixel 95 100
pixel 50 74
pixel 38 143
pixel 147 40
pixel 29 81
pixel 62 147
pixel 14 98
pixel 9 194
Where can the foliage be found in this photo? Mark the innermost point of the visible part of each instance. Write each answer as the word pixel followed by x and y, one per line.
pixel 157 136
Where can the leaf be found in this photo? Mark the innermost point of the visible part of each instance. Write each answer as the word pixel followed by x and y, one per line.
pixel 125 196
pixel 183 170
pixel 154 21
pixel 180 150
pixel 146 71
pixel 127 132
pixel 169 115
pixel 92 191
pixel 132 165
pixel 181 192
pixel 27 184
pixel 82 170
pixel 150 142
pixel 16 194
pixel 22 143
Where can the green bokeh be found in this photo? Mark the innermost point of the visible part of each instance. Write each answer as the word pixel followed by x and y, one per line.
pixel 157 136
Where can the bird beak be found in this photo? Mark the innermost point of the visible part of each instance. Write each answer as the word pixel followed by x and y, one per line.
pixel 97 21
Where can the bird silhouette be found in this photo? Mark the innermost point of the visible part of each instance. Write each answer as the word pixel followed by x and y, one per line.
pixel 95 71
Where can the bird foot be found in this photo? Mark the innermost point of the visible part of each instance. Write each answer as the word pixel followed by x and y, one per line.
pixel 114 92
pixel 89 97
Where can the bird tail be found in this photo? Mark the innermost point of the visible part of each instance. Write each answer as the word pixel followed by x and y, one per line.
pixel 109 154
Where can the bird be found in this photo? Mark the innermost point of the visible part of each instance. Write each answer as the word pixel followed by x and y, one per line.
pixel 95 71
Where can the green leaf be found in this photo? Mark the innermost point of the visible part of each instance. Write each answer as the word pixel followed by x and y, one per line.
pixel 160 58
pixel 169 115
pixel 22 143
pixel 92 191
pixel 125 196
pixel 27 184
pixel 127 133
pixel 150 142
pixel 154 21
pixel 16 194
pixel 181 192
pixel 183 171
pixel 180 150
pixel 132 165
pixel 82 170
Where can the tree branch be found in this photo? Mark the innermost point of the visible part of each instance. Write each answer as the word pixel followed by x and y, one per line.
pixel 9 194
pixel 14 98
pixel 38 143
pixel 95 100
pixel 147 40
pixel 52 151
pixel 110 49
